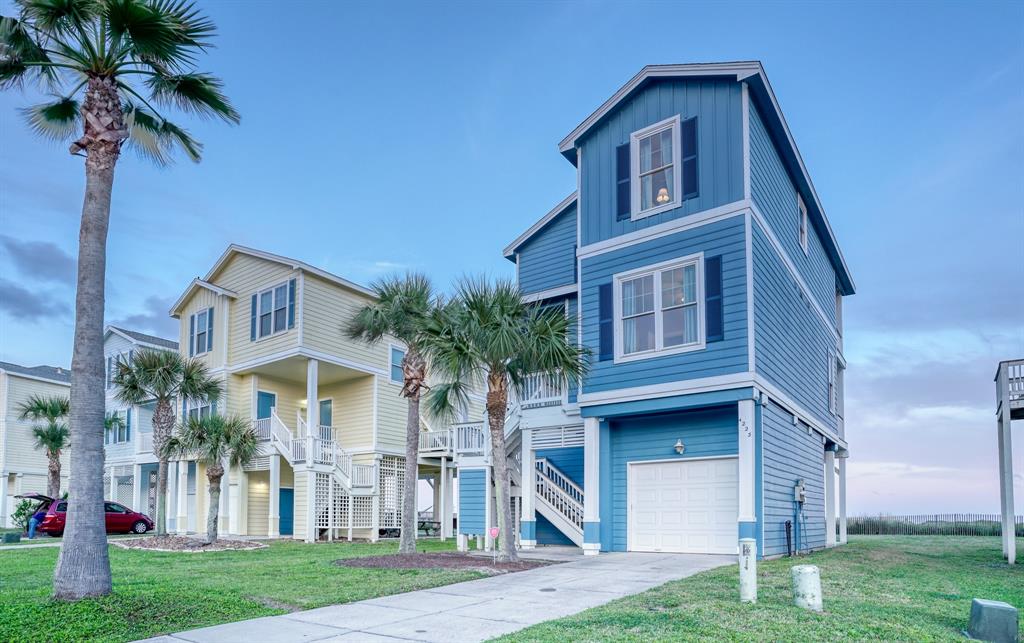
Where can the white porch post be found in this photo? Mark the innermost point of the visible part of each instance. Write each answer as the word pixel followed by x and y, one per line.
pixel 274 504
pixel 312 407
pixel 445 489
pixel 3 499
pixel 747 469
pixel 842 497
pixel 182 521
pixel 239 504
pixel 137 489
pixel 591 486
pixel 830 498
pixel 112 491
pixel 528 522
pixel 488 509
pixel 1006 480
pixel 224 505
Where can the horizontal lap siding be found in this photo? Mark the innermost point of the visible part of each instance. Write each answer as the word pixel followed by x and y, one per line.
pixel 289 394
pixel 326 310
pixel 706 433
pixel 548 259
pixel 568 460
pixel 200 301
pixel 258 507
pixel 791 341
pixel 246 275
pixel 239 396
pixel 726 238
pixel 718 108
pixel 471 501
pixel 548 534
pixel 351 410
pixel 789 453
pixel 20 452
pixel 392 415
pixel 773 192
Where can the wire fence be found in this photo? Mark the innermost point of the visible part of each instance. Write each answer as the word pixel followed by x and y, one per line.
pixel 931 525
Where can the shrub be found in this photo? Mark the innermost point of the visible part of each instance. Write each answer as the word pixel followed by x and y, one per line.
pixel 22 513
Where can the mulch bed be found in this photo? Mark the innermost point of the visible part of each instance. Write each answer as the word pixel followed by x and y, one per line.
pixel 440 561
pixel 185 544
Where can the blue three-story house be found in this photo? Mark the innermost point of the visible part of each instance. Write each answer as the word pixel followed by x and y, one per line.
pixel 707 284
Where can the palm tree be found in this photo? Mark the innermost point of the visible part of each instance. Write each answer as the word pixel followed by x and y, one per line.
pixel 489 333
pixel 52 436
pixel 402 308
pixel 214 440
pixel 86 53
pixel 163 377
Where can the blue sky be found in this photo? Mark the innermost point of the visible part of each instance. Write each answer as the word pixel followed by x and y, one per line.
pixel 379 137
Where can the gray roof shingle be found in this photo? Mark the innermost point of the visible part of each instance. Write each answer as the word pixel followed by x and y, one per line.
pixel 149 339
pixel 48 372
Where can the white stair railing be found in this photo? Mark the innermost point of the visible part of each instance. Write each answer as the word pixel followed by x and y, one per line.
pixel 559 492
pixel 431 440
pixel 542 390
pixel 261 426
pixel 470 438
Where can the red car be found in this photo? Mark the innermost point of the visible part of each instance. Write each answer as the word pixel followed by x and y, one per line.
pixel 120 519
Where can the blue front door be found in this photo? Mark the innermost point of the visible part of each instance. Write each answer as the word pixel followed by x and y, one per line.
pixel 287 508
pixel 264 402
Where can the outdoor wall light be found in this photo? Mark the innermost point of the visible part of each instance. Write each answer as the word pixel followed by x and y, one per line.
pixel 680 447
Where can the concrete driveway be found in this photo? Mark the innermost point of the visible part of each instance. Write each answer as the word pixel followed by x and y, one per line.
pixel 471 611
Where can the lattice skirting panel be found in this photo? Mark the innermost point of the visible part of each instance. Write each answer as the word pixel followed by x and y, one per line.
pixel 391 483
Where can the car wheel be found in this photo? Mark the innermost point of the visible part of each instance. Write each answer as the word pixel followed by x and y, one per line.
pixel 140 527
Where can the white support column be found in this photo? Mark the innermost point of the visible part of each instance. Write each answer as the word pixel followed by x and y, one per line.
pixel 747 481
pixel 171 497
pixel 182 519
pixel 528 522
pixel 591 486
pixel 240 507
pixel 224 506
pixel 4 511
pixel 488 509
pixel 112 491
pixel 1000 464
pixel 137 489
pixel 445 490
pixel 1006 479
pixel 274 504
pixel 312 407
pixel 830 498
pixel 842 497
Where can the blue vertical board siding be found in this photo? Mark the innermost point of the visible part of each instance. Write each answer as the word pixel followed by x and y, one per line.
pixel 568 460
pixel 705 432
pixel 773 192
pixel 718 106
pixel 790 452
pixel 471 501
pixel 548 534
pixel 725 238
pixel 791 342
pixel 548 258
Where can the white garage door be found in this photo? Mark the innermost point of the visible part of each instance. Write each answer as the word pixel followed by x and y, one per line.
pixel 684 506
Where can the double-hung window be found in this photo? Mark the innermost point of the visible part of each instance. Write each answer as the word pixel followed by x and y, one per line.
pixel 273 310
pixel 659 309
pixel 202 411
pixel 202 328
pixel 397 355
pixel 119 428
pixel 654 159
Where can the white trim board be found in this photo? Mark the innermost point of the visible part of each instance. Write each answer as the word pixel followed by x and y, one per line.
pixel 557 291
pixel 194 285
pixel 305 352
pixel 511 248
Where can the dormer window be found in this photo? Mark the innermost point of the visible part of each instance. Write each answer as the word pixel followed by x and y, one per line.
pixel 655 173
pixel 802 213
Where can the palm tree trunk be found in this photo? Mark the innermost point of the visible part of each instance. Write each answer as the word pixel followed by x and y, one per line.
pixel 53 474
pixel 163 425
pixel 214 473
pixel 83 566
pixel 497 407
pixel 407 544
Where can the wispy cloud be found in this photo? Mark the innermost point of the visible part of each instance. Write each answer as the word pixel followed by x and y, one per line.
pixel 27 305
pixel 40 260
pixel 152 319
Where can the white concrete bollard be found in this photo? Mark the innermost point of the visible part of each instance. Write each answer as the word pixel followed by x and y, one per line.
pixel 748 570
pixel 807 587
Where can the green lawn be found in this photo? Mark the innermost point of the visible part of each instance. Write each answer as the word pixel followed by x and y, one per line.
pixel 156 593
pixel 905 588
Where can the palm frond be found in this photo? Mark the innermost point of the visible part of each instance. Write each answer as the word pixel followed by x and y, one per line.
pixel 21 55
pixel 44 408
pixel 145 31
pixel 444 401
pixel 215 438
pixel 195 93
pixel 57 121
pixel 61 16
pixel 156 139
pixel 194 29
pixel 51 437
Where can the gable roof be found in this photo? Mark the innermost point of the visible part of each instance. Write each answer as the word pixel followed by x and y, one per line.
pixel 762 94
pixel 54 374
pixel 294 264
pixel 143 338
pixel 510 250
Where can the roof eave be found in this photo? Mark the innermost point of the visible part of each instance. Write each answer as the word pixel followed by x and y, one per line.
pixel 510 250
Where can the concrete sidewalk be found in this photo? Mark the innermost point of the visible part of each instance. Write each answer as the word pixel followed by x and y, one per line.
pixel 471 611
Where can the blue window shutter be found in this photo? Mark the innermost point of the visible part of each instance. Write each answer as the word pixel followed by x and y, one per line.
pixel 689 153
pixel 291 303
pixel 191 335
pixel 252 319
pixel 128 425
pixel 713 308
pixel 622 194
pixel 606 323
pixel 110 370
pixel 209 330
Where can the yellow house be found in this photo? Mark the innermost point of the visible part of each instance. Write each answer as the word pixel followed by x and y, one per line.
pixel 327 409
pixel 23 467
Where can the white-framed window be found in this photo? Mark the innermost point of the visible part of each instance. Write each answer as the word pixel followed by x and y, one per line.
pixel 121 431
pixel 201 410
pixel 655 175
pixel 833 382
pixel 273 311
pixel 659 309
pixel 202 324
pixel 397 355
pixel 802 214
pixel 113 361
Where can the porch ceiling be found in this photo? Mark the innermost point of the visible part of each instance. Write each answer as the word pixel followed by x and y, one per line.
pixel 293 369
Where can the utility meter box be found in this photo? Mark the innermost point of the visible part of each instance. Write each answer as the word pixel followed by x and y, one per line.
pixel 799 492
